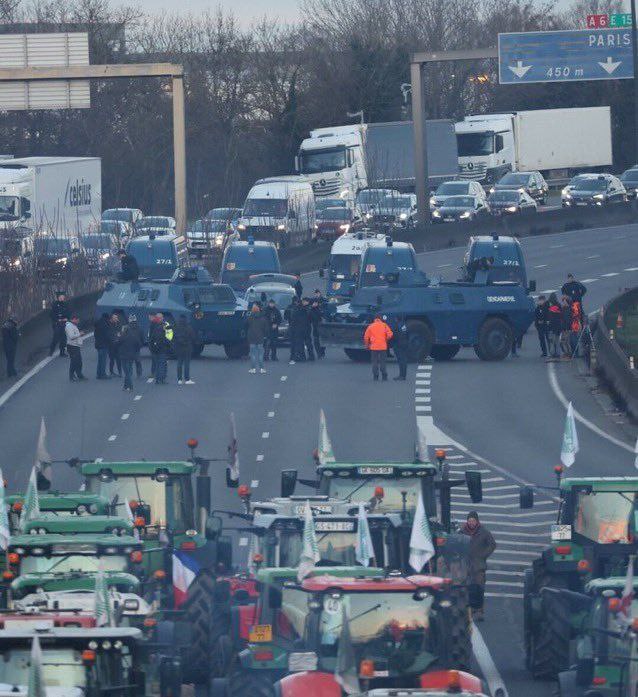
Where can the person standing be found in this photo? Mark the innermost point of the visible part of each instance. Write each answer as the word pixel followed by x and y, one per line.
pixel 130 269
pixel 159 346
pixel 74 347
pixel 376 339
pixel 575 328
pixel 296 322
pixel 59 317
pixel 273 316
pixel 298 286
pixel 115 326
pixel 554 325
pixel 307 329
pixel 540 322
pixel 256 334
pixel 482 546
pixel 400 347
pixel 573 289
pixel 316 316
pixel 102 338
pixel 10 345
pixel 566 313
pixel 184 340
pixel 129 346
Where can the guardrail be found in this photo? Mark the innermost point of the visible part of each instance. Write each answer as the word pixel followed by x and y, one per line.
pixel 615 364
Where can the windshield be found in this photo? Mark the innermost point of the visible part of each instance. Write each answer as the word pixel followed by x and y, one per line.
pixel 604 516
pixel 363 490
pixel 322 203
pixel 282 298
pixel 453 188
pixel 118 214
pixel 153 221
pixel 97 242
pixel 395 202
pixel 379 264
pixel 459 202
pixel 344 266
pixel 225 214
pixel 61 667
pixel 171 502
pixel 335 548
pixel 630 176
pixel 51 246
pixel 313 162
pixel 515 179
pixel 334 214
pixel 267 207
pixel 8 208
pixel 473 144
pixel 371 195
pixel 590 185
pixel 505 196
pixel 392 629
pixel 73 562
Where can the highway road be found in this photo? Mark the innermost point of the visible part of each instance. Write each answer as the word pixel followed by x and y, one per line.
pixel 506 418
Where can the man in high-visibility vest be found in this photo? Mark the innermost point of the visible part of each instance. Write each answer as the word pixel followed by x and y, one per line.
pixel 376 339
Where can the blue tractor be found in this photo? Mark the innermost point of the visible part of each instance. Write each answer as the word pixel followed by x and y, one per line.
pixel 213 309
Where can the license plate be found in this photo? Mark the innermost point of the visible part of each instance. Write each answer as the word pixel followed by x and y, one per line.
pixel 334 526
pixel 561 532
pixel 375 470
pixel 260 634
pixel 319 508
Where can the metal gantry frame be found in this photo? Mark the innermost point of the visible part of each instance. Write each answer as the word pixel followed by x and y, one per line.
pixel 133 70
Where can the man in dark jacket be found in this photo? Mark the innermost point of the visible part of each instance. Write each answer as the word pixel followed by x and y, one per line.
pixel 307 329
pixel 297 317
pixel 102 338
pixel 115 326
pixel 256 334
pixel 130 270
pixel 184 340
pixel 540 322
pixel 573 289
pixel 59 316
pixel 273 317
pixel 482 546
pixel 129 345
pixel 316 315
pixel 10 345
pixel 159 347
pixel 298 287
pixel 400 347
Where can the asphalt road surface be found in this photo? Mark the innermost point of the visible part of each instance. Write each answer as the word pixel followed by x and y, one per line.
pixel 506 419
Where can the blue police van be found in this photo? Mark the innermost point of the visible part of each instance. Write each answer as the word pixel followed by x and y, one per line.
pixel 245 259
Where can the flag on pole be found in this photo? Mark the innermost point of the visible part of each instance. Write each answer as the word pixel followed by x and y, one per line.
pixel 363 545
pixel 628 592
pixel 36 686
pixel 421 545
pixel 421 446
pixel 346 672
pixel 103 615
pixel 185 569
pixel 42 457
pixel 325 454
pixel 310 549
pixel 570 448
pixel 233 454
pixel 31 503
pixel 131 517
pixel 5 532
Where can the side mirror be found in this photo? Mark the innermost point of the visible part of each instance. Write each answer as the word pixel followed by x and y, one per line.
pixel 230 482
pixel 532 286
pixel 288 482
pixel 213 528
pixel 526 497
pixel 474 482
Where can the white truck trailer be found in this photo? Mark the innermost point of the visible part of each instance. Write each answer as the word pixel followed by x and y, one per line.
pixel 556 142
pixel 59 196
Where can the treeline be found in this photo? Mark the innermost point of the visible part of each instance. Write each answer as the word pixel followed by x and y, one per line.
pixel 253 93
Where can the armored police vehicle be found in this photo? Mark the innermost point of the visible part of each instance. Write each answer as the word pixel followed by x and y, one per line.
pixel 441 317
pixel 245 259
pixel 213 310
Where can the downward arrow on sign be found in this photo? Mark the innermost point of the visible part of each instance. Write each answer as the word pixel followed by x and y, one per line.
pixel 609 66
pixel 519 69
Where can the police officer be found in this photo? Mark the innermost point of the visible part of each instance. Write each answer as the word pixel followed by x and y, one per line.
pixel 307 328
pixel 273 316
pixel 400 347
pixel 59 316
pixel 297 319
pixel 573 289
pixel 316 315
pixel 10 345
pixel 130 270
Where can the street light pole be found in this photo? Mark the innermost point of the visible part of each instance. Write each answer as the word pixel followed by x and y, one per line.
pixel 421 183
pixel 634 50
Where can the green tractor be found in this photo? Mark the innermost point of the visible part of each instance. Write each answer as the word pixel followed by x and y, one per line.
pixel 593 538
pixel 402 628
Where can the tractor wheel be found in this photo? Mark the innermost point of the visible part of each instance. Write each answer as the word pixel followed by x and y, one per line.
pixel 443 352
pixel 358 355
pixel 420 340
pixel 495 340
pixel 460 630
pixel 199 608
pixel 222 654
pixel 235 351
pixel 250 683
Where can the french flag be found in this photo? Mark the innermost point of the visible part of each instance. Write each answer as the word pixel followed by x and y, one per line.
pixel 185 569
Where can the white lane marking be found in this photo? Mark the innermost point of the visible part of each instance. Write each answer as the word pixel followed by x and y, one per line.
pixel 609 275
pixel 26 377
pixel 277 395
pixel 265 434
pixel 254 483
pixel 125 417
pixel 542 545
pixel 271 414
pixel 422 382
pixel 283 378
pixel 454 457
pixel 443 266
pixel 632 268
pixel 424 365
pixel 487 665
pixel 558 392
pixel 424 410
pixel 243 542
pixel 516 596
pixel 492 479
pixel 420 390
pixel 541 266
pixel 99 459
pixel 422 400
pixel 589 280
pixel 511 533
pixel 137 397
pixel 556 246
pixel 510 506
pixel 514 584
pixel 149 380
pixel 112 437
pixel 259 458
pixel 594 256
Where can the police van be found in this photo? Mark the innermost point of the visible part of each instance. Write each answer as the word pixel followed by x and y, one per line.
pixel 381 263
pixel 158 257
pixel 245 259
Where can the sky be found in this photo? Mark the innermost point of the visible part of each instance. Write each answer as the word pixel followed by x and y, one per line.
pixel 244 10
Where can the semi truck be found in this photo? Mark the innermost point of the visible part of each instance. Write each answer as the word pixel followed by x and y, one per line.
pixel 342 160
pixel 59 196
pixel 556 142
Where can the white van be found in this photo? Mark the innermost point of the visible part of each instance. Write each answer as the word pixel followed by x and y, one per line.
pixel 279 210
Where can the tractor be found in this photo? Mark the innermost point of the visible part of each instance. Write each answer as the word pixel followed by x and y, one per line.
pixel 593 538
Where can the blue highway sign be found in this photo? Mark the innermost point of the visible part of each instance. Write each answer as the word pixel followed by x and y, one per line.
pixel 564 56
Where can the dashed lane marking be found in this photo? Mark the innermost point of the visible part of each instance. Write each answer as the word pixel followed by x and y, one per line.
pixel 149 380
pixel 443 266
pixel 265 434
pixel 609 275
pixel 541 266
pixel 632 268
pixel 112 437
pixel 125 417
pixel 594 256
pixel 517 596
pixel 422 400
pixel 137 397
pixel 283 378
pixel 259 458
pixel 254 483
pixel 421 390
pixel 589 280
pixel 277 395
pixel 271 414
pixel 556 246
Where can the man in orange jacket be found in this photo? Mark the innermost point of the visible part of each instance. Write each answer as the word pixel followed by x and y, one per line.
pixel 376 338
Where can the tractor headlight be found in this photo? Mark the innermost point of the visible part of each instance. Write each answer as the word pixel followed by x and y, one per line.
pixel 403 216
pixel 465 215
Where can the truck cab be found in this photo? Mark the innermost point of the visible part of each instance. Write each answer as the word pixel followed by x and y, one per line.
pixel 499 257
pixel 486 147
pixel 245 259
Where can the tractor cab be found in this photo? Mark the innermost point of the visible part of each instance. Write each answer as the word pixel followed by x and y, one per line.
pixel 76 661
pixel 58 503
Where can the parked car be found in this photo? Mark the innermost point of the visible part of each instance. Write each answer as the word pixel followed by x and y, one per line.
pixel 572 183
pixel 456 188
pixel 397 211
pixel 369 199
pixel 130 216
pixel 16 247
pixel 229 215
pixel 158 224
pixel 595 191
pixel 210 237
pixel 100 251
pixel 629 179
pixel 530 182
pixel 332 222
pixel 460 208
pixel 511 202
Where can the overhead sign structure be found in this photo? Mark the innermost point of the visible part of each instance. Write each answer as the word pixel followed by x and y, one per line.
pixel 564 56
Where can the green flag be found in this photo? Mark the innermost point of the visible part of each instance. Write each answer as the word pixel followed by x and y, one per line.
pixel 570 447
pixel 5 532
pixel 103 616
pixel 31 505
pixel 36 686
pixel 421 545
pixel 310 549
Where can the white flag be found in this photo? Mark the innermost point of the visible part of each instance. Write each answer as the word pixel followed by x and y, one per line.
pixel 363 548
pixel 42 457
pixel 103 617
pixel 421 546
pixel 325 454
pixel 131 517
pixel 5 532
pixel 310 548
pixel 569 448
pixel 31 503
pixel 233 453
pixel 36 686
pixel 628 592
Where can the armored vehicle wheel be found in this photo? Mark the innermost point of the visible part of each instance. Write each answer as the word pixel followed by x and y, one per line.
pixel 199 608
pixel 235 351
pixel 358 355
pixel 197 350
pixel 443 352
pixel 420 340
pixel 250 683
pixel 495 339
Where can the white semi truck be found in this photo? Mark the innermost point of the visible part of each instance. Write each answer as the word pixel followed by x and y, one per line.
pixel 556 142
pixel 59 196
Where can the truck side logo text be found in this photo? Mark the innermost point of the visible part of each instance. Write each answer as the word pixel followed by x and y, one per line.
pixel 78 193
